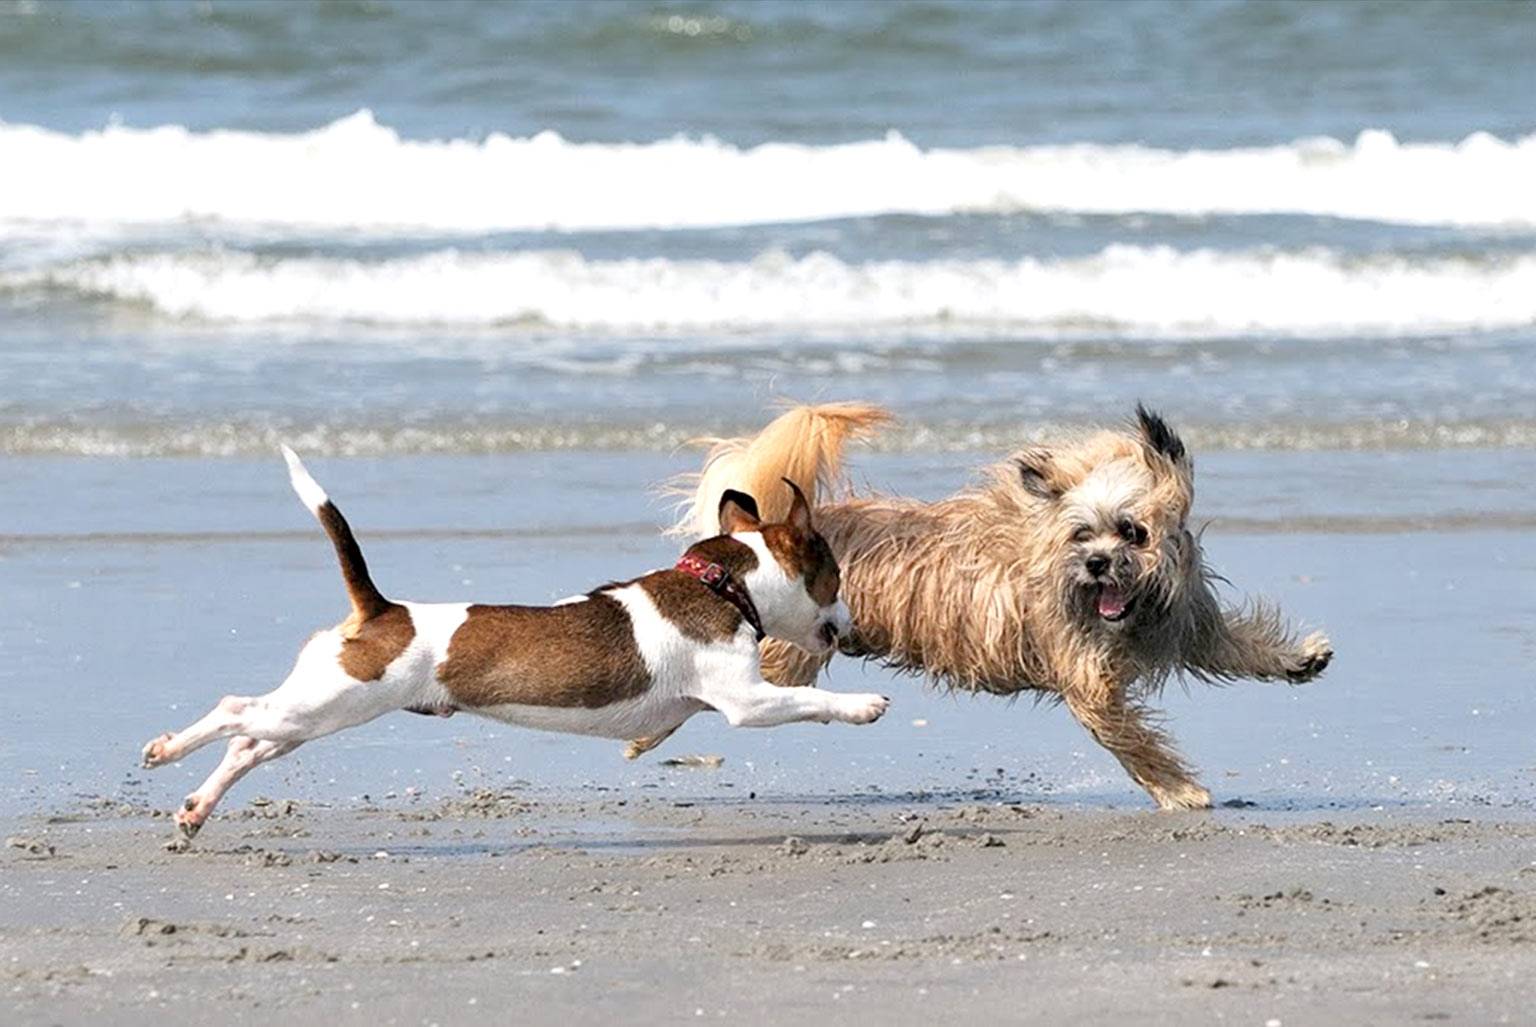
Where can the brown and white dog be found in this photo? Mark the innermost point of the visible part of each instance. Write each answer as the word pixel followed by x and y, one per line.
pixel 1069 569
pixel 630 660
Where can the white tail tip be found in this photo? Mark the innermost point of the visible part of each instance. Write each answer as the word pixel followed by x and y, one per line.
pixel 309 490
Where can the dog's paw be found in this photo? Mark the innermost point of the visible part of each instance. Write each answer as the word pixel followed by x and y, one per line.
pixel 1182 796
pixel 191 817
pixel 1313 658
pixel 862 709
pixel 156 753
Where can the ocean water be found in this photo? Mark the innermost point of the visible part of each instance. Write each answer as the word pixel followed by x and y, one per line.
pixel 544 244
pixel 379 227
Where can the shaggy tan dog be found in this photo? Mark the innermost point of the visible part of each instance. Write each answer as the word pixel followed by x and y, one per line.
pixel 1069 569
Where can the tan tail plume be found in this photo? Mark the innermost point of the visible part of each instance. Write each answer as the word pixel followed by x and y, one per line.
pixel 804 444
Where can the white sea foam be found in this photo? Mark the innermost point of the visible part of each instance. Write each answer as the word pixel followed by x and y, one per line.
pixel 358 174
pixel 257 435
pixel 1147 290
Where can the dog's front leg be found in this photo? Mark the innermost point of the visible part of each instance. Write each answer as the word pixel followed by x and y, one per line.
pixel 759 704
pixel 1145 751
pixel 1256 642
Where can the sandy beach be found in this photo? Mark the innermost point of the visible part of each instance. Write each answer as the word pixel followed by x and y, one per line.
pixel 491 906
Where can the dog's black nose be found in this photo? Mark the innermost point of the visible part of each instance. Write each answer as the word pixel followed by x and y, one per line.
pixel 1098 563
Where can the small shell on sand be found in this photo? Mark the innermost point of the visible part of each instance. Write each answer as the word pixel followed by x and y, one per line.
pixel 693 762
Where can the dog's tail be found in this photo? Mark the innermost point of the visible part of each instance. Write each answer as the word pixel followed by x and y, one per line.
pixel 367 601
pixel 804 444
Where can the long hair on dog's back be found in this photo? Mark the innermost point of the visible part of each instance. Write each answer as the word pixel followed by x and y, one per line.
pixel 1068 568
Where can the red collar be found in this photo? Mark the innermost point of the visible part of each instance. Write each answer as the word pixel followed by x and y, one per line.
pixel 722 584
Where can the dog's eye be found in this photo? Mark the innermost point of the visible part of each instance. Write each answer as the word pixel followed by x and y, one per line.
pixel 1082 535
pixel 1132 532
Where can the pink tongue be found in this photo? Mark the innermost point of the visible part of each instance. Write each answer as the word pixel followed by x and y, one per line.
pixel 1111 601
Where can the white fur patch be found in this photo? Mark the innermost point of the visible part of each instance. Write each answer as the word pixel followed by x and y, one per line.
pixel 414 671
pixel 1109 491
pixel 786 608
pixel 661 645
pixel 644 715
pixel 309 490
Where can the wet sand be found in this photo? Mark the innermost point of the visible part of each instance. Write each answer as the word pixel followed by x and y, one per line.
pixel 491 906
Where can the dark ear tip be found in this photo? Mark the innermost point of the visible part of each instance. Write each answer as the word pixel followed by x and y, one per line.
pixel 1158 435
pixel 741 499
pixel 800 509
pixel 1031 465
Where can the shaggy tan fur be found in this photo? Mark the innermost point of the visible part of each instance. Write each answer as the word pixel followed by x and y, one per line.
pixel 1069 569
pixel 804 445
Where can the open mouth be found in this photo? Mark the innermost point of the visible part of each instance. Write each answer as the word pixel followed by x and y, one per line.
pixel 1113 605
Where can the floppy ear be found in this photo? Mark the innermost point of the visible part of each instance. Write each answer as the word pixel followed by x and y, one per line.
pixel 1158 437
pixel 799 510
pixel 1037 474
pixel 738 512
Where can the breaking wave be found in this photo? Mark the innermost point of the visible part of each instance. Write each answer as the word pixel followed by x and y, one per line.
pixel 357 174
pixel 1153 291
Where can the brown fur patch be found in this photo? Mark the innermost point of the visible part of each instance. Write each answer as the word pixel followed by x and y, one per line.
pixel 579 654
pixel 692 606
pixel 806 557
pixel 369 646
pixel 367 601
pixel 735 556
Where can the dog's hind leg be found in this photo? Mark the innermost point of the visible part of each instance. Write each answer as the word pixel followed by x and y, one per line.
pixel 223 720
pixel 1255 642
pixel 318 698
pixel 243 755
pixel 1146 752
pixel 272 717
pixel 640 746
